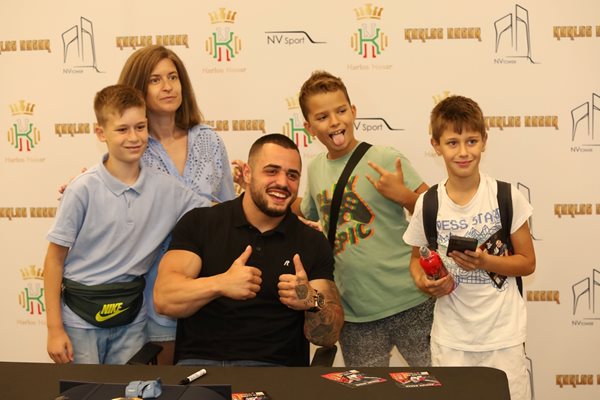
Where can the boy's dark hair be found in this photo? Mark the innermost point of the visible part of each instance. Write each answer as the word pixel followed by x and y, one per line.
pixel 116 98
pixel 457 113
pixel 320 82
pixel 275 138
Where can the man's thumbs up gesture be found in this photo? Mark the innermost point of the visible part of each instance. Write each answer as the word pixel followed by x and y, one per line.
pixel 241 281
pixel 295 290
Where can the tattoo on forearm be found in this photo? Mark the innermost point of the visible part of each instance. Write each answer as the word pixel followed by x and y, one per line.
pixel 301 291
pixel 323 328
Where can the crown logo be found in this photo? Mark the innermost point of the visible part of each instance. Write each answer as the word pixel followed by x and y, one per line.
pixel 368 11
pixel 32 272
pixel 439 97
pixel 292 102
pixel 222 15
pixel 22 108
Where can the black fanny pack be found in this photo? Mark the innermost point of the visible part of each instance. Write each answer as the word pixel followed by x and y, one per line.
pixel 107 305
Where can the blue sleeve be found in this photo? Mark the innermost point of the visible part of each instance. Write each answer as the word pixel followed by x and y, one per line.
pixel 69 219
pixel 226 192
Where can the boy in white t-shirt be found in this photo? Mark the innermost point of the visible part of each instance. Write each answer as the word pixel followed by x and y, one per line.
pixel 477 321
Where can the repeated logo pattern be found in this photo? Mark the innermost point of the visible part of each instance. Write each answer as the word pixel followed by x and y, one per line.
pixel 223 44
pixel 23 135
pixel 369 41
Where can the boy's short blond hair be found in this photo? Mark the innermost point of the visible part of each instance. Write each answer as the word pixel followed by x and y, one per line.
pixel 116 99
pixel 457 113
pixel 319 82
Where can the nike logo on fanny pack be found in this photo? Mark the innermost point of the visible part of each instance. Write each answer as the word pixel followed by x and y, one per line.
pixel 109 311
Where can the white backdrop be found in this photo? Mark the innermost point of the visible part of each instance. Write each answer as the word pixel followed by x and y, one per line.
pixel 532 66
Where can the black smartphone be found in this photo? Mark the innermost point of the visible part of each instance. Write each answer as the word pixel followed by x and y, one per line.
pixel 461 243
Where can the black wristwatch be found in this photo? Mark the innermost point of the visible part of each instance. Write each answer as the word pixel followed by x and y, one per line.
pixel 319 302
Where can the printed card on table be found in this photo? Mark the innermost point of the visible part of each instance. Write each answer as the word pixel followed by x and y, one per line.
pixel 250 396
pixel 352 378
pixel 415 379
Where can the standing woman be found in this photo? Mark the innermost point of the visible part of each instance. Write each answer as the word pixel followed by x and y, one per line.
pixel 179 145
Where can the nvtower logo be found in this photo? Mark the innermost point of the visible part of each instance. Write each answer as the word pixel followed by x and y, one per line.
pixel 294 128
pixel 79 47
pixel 31 298
pixel 586 294
pixel 583 128
pixel 23 135
pixel 223 44
pixel 513 37
pixel 369 41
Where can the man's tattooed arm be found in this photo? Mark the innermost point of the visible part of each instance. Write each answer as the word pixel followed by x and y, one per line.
pixel 323 328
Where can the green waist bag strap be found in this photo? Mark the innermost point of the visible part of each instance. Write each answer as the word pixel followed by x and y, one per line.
pixel 107 305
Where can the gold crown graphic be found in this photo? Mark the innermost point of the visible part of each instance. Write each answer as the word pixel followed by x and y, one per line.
pixel 222 15
pixel 22 108
pixel 292 102
pixel 32 272
pixel 368 11
pixel 439 97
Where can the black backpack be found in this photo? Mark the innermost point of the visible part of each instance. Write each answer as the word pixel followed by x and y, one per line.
pixel 430 209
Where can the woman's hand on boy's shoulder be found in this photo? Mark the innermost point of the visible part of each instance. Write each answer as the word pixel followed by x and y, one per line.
pixel 63 187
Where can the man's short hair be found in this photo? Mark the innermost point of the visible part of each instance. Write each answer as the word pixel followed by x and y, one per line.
pixel 274 138
pixel 116 99
pixel 320 82
pixel 457 113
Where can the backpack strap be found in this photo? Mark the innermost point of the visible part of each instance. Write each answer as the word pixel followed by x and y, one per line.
pixel 336 201
pixel 506 213
pixel 430 209
pixel 505 205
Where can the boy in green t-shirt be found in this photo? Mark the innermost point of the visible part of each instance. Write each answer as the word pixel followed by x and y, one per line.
pixel 382 306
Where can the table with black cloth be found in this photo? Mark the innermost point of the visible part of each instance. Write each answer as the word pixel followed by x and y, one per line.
pixel 41 381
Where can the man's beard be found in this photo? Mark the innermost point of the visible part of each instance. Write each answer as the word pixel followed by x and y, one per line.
pixel 262 202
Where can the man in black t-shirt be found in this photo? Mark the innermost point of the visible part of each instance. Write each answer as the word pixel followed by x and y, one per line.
pixel 249 283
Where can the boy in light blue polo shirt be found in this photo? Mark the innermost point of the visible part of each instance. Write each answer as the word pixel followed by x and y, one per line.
pixel 110 224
